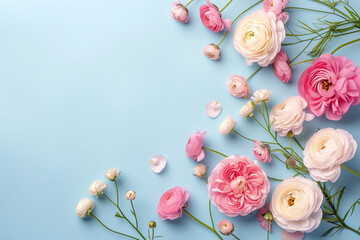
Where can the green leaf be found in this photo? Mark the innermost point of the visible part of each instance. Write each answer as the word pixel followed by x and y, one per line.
pixel 329 219
pixel 118 215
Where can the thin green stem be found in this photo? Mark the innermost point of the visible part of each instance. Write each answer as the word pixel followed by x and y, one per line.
pixel 212 150
pixel 308 9
pixel 275 179
pixel 210 213
pixel 123 234
pixel 308 60
pixel 117 192
pixel 350 170
pixel 257 70
pixel 132 206
pixel 153 233
pixel 205 225
pixel 188 3
pixel 298 143
pixel 227 32
pixel 225 6
pixel 245 11
pixel 268 231
pixel 301 52
pixel 235 236
pixel 205 179
pixel 249 139
pixel 345 44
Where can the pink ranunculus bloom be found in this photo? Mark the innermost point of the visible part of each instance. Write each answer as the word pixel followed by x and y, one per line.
pixel 260 217
pixel 275 6
pixel 330 86
pixel 172 202
pixel 238 87
pixel 226 227
pixel 211 18
pixel 238 186
pixel 281 67
pixel 283 17
pixel 212 51
pixel 262 152
pixel 179 12
pixel 194 146
pixel 285 235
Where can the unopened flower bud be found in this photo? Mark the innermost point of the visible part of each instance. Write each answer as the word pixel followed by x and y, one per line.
pixel 130 195
pixel 269 217
pixel 226 227
pixel 152 224
pixel 291 162
pixel 200 171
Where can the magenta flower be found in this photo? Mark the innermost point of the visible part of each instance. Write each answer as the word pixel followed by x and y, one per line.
pixel 211 18
pixel 264 223
pixel 194 146
pixel 281 67
pixel 330 86
pixel 172 202
pixel 179 12
pixel 261 152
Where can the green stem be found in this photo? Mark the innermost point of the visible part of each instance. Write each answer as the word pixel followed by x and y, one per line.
pixel 309 60
pixel 205 225
pixel 123 234
pixel 153 233
pixel 132 206
pixel 298 143
pixel 235 236
pixel 350 170
pixel 211 218
pixel 308 9
pixel 225 6
pixel 275 179
pixel 345 44
pixel 212 150
pixel 257 70
pixel 188 3
pixel 227 32
pixel 268 231
pixel 117 192
pixel 249 139
pixel 245 11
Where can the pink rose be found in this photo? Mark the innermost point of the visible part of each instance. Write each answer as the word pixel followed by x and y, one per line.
pixel 194 146
pixel 211 18
pixel 172 202
pixel 262 152
pixel 326 150
pixel 289 116
pixel 212 51
pixel 330 85
pixel 238 186
pixel 296 204
pixel 281 67
pixel 277 7
pixel 179 12
pixel 238 87
pixel 264 223
pixel 226 227
pixel 285 235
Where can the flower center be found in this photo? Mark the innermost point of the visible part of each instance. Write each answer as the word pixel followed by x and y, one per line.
pixel 249 35
pixel 291 200
pixel 323 147
pixel 326 84
pixel 238 185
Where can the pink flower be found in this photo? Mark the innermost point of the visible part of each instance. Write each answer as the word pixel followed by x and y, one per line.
pixel 211 18
pixel 212 51
pixel 281 67
pixel 277 7
pixel 264 223
pixel 172 202
pixel 262 152
pixel 238 87
pixel 238 186
pixel 179 12
pixel 225 227
pixel 330 85
pixel 285 235
pixel 194 146
pixel 289 116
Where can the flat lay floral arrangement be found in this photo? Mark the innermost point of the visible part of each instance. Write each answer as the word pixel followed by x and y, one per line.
pixel 237 186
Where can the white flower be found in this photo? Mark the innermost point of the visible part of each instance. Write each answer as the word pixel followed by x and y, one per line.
pixel 261 95
pixel 296 204
pixel 227 126
pixel 248 109
pixel 112 174
pixel 84 207
pixel 130 195
pixel 97 188
pixel 200 170
pixel 326 150
pixel 289 116
pixel 157 163
pixel 258 37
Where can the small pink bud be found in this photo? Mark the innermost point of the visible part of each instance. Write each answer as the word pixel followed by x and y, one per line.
pixel 179 12
pixel 226 227
pixel 212 51
pixel 200 171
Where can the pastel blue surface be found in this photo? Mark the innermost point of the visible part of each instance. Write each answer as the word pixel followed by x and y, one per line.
pixel 87 85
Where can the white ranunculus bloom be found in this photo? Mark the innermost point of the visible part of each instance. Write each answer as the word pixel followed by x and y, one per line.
pixel 97 188
pixel 247 110
pixel 258 37
pixel 227 125
pixel 84 207
pixel 296 204
pixel 130 195
pixel 200 170
pixel 261 95
pixel 326 150
pixel 112 174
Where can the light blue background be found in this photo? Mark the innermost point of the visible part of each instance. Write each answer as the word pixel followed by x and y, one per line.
pixel 87 85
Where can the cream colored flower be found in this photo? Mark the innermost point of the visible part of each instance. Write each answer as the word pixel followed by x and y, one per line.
pixel 97 187
pixel 296 204
pixel 258 37
pixel 289 116
pixel 248 109
pixel 84 207
pixel 227 126
pixel 326 150
pixel 130 195
pixel 112 174
pixel 261 95
pixel 200 170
